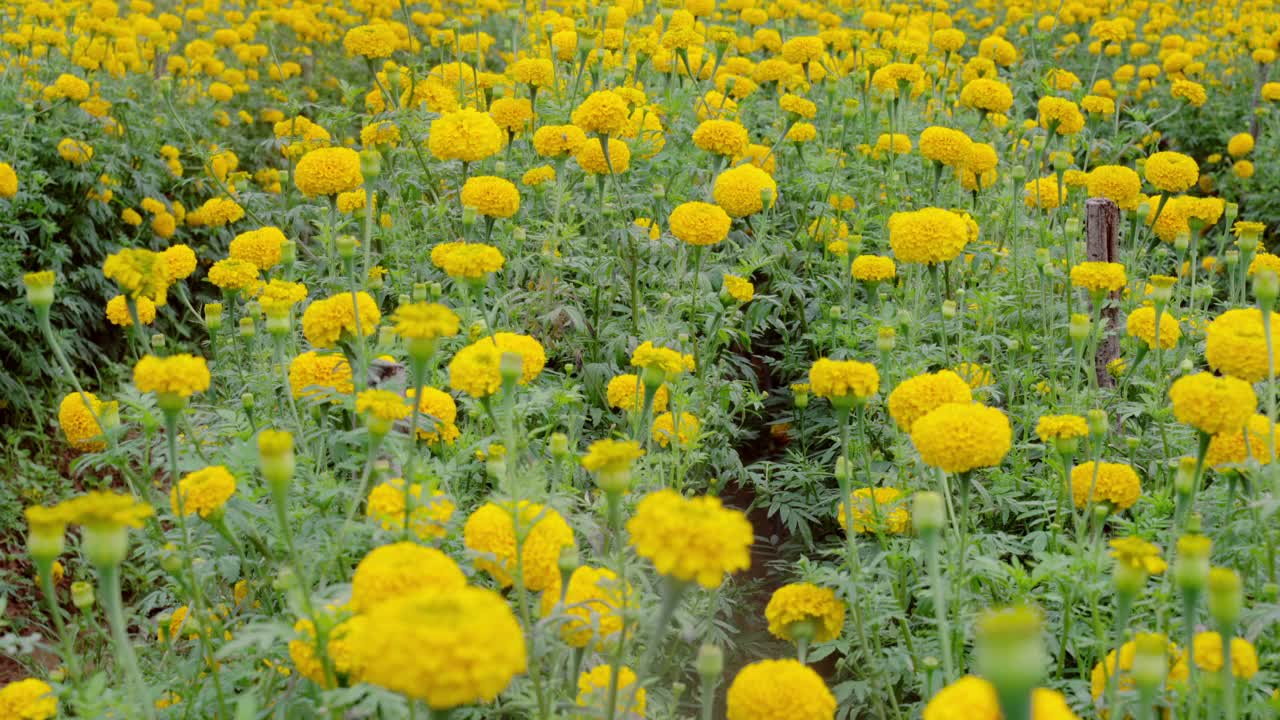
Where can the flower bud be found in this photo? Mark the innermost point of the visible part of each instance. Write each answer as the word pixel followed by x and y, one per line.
pixel 511 366
pixel 468 217
pixel 886 339
pixel 1191 569
pixel 559 445
pixel 948 309
pixel 1150 660
pixel 834 312
pixel 213 316
pixel 1266 286
pixel 568 562
pixel 82 595
pixel 247 402
pixel 105 544
pixel 1072 227
pixel 39 288
pixel 288 253
pixel 928 512
pixel 1018 173
pixel 710 662
pixel 1181 242
pixel 1226 596
pixel 346 247
pixel 1097 421
pixel 1009 652
pixel 158 343
pixel 842 469
pixel 275 456
pixel 247 327
pixel 1078 329
pixel 370 163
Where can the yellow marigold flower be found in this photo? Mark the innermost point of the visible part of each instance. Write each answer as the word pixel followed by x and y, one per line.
pixel 626 392
pixel 699 223
pixel 1098 105
pixel 325 321
pixel 203 491
pixel 1206 651
pixel 182 375
pixel 1171 172
pixel 743 190
pixel 491 196
pixel 384 133
pixel 260 247
pixel 590 157
pixel 28 699
pixel 959 437
pixel 592 606
pixel 973 698
pixel 802 132
pixel 1235 447
pixel 467 135
pixel 1043 193
pixel 873 268
pixel 467 260
pixel 721 137
pixel 1138 554
pixel 828 229
pixel 803 49
pixel 314 375
pixel 647 355
pixel 927 236
pixel 738 288
pixel 118 311
pixel 1236 345
pixel 611 455
pixel 279 292
pixel 876 510
pixel 1059 115
pixel 557 140
pixel 897 143
pixel 383 407
pixel 78 416
pixel 106 510
pixel 593 692
pixel 328 171
pixel 388 505
pixel 538 176
pixel 759 155
pixel 1142 325
pixel 440 414
pixel 1099 277
pixel 424 321
pixel 796 105
pixel 8 181
pixel 399 570
pixel 1212 404
pixel 988 95
pixel 538 72
pixel 975 375
pixel 139 273
pixel 603 112
pixel 76 152
pixel 804 609
pixel 371 41
pixel 490 534
pixel 340 649
pixel 843 380
pixel 1239 145
pixel 235 275
pixel 180 262
pixel 1193 92
pixel 1117 183
pixel 1100 677
pixel 1061 427
pixel 1243 169
pixel 216 212
pixel 895 77
pixel 691 539
pixel 779 690
pixel 450 648
pixel 916 397
pixel 1114 483
pixel 945 146
pixel 684 432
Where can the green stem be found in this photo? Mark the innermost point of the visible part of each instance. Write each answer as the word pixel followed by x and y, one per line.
pixel 109 577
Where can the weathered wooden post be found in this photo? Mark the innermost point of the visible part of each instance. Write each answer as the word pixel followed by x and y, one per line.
pixel 1102 230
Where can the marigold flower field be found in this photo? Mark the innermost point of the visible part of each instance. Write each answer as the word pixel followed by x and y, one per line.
pixel 745 359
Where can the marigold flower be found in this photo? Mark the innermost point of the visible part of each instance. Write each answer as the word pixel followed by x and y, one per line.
pixel 1212 404
pixel 467 260
pixel 28 699
pixel 988 95
pixel 1138 554
pixel 590 157
pixel 973 698
pixel 691 539
pixel 1059 115
pixel 399 570
pixel 1141 324
pixel 204 491
pixel 1123 665
pixel 467 135
pixel 388 506
pixel 1114 483
pixel 446 648
pixel 626 392
pixel 328 171
pixel 1236 345
pixel 918 396
pixel 182 375
pixel 1052 428
pixel 603 112
pixel 699 223
pixel 611 455
pixel 339 647
pixel 118 311
pixel 805 604
pixel 946 146
pixel 371 41
pixel 312 374
pixel 742 191
pixel 739 288
pixel 325 321
pixel 1118 183
pixel 779 690
pixel 960 437
pixel 424 321
pixel 839 380
pixel 491 196
pixel 1235 447
pixel 8 181
pixel 260 247
pixel 927 236
pixel 78 416
pixel 139 273
pixel 881 509
pixel 1171 172
pixel 557 140
pixel 1099 277
pixel 491 535
pixel 234 275
pixel 873 268
pixel 1206 652
pixel 667 430
pixel 721 137
pixel 592 606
